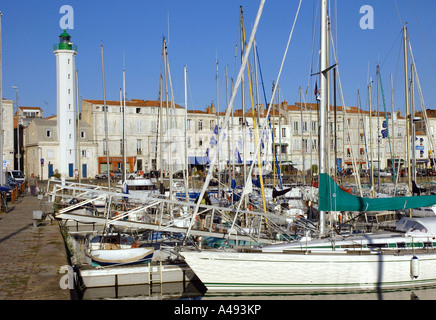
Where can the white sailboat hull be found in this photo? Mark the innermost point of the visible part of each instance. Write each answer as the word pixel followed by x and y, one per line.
pixel 237 272
pixel 122 256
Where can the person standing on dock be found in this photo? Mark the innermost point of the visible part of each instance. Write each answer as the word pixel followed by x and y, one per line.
pixel 32 185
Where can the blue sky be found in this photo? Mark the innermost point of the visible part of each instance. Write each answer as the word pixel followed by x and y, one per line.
pixel 201 32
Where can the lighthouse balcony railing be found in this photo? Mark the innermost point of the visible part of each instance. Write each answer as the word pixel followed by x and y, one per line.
pixel 64 46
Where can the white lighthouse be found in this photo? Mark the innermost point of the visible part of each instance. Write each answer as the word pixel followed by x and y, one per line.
pixel 65 53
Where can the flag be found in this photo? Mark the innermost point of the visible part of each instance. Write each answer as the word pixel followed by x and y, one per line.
pixel 215 130
pixel 316 88
pixel 213 141
pixel 384 133
pixel 237 156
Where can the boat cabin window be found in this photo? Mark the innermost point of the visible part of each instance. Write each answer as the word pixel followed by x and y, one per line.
pixel 401 244
pixel 428 244
pixel 377 245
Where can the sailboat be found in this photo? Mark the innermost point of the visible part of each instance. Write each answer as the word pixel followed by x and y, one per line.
pixel 114 248
pixel 403 258
pixel 117 249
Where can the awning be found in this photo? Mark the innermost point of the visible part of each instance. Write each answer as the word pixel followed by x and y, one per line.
pixel 422 160
pixel 199 160
pixel 357 162
pixel 281 144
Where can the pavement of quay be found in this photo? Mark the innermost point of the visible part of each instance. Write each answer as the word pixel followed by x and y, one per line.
pixel 31 257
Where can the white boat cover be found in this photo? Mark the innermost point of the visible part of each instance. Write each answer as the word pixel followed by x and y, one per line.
pixel 417 226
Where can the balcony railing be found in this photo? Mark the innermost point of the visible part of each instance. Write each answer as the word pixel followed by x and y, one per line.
pixel 64 46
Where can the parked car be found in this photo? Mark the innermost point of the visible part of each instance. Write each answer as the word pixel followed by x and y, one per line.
pixel 12 182
pixel 117 175
pixel 382 173
pixel 7 189
pixel 17 175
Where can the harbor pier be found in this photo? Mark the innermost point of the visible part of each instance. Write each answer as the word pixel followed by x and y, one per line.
pixel 31 254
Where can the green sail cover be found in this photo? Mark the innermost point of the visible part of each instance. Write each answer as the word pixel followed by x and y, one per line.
pixel 333 198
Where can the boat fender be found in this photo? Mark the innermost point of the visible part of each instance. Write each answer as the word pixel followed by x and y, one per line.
pixel 414 267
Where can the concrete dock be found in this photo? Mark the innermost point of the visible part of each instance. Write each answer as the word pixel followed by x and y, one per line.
pixel 30 257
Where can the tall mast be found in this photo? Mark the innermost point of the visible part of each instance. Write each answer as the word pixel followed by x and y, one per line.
pixel 168 139
pixel 323 165
pixel 406 91
pixel 412 116
pixel 302 138
pixel 124 125
pixel 244 128
pixel 161 130
pixel 378 131
pixel 393 133
pixel 218 126
pixel 186 139
pixel 105 120
pixel 370 143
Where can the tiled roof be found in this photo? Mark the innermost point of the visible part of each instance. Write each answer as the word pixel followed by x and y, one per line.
pixel 133 103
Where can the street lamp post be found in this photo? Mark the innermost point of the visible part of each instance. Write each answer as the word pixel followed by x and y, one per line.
pixel 18 132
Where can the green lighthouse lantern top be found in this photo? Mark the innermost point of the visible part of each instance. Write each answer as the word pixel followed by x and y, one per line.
pixel 65 42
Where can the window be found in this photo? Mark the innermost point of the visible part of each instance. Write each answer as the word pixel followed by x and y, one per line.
pixel 138 110
pixel 200 142
pixel 188 125
pixel 212 124
pixel 104 147
pixel 200 125
pixel 314 126
pixel 305 126
pixel 296 127
pixel 138 126
pixel 297 145
pixel 83 152
pixel 284 132
pixel 48 133
pixel 139 146
pixel 69 76
pixel 315 144
pixel 399 132
pixel 82 134
pixel 305 145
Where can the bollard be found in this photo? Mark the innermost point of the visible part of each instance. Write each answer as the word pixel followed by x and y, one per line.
pixel 13 196
pixel 37 217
